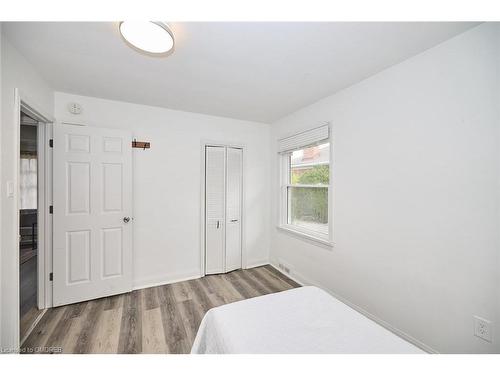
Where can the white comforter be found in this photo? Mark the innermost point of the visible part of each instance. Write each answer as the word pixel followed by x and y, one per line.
pixel 302 320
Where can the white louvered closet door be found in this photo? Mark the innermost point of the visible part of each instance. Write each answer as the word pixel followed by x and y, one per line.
pixel 215 182
pixel 223 193
pixel 233 207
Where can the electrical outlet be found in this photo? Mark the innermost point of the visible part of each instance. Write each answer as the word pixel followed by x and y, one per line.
pixel 284 266
pixel 482 328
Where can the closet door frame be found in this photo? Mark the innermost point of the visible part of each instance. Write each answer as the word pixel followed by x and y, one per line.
pixel 204 144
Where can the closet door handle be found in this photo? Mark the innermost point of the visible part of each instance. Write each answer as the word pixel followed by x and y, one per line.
pixel 218 224
pixel 234 220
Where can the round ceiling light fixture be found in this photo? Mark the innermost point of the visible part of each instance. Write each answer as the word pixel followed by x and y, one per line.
pixel 154 38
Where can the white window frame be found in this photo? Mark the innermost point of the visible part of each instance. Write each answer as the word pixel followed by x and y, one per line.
pixel 295 230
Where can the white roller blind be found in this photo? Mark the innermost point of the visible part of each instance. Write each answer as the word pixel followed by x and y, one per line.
pixel 305 138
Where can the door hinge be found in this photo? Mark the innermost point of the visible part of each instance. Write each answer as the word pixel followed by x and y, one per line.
pixel 51 209
pixel 51 143
pixel 51 276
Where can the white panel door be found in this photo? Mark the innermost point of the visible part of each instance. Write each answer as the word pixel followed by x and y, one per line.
pixel 234 159
pixel 214 209
pixel 92 180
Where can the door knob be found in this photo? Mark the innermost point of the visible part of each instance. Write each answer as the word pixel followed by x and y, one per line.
pixel 126 219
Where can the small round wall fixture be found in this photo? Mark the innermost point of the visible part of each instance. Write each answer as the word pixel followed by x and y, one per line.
pixel 74 108
pixel 151 37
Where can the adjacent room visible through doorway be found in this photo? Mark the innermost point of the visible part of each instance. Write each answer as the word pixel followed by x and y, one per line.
pixel 28 223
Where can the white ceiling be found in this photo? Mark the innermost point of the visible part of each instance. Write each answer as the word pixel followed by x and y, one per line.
pixel 250 71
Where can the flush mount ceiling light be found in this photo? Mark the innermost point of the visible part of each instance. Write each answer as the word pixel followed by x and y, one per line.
pixel 154 38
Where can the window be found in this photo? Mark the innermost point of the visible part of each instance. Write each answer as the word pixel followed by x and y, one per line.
pixel 305 188
pixel 28 182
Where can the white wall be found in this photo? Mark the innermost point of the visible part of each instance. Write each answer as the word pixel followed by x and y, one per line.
pixel 417 202
pixel 16 72
pixel 167 178
pixel 1 169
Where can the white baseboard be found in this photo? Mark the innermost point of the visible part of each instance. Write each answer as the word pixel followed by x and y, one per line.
pixel 150 282
pixel 259 263
pixel 300 281
pixel 304 281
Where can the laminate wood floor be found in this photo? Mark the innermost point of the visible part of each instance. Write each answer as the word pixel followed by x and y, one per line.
pixel 161 319
pixel 28 308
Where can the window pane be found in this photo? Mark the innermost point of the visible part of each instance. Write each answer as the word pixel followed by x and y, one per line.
pixel 308 208
pixel 311 166
pixel 28 183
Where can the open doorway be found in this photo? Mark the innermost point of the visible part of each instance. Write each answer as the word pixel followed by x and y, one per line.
pixel 29 235
pixel 28 222
pixel 33 201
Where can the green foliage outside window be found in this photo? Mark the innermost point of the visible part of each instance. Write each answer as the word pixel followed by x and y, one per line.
pixel 310 204
pixel 317 175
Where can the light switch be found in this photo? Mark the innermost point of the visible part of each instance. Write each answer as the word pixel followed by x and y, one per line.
pixel 10 189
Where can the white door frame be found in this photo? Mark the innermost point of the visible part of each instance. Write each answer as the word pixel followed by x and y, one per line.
pixel 44 248
pixel 204 144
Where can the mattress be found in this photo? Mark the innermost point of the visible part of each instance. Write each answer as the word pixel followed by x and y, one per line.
pixel 301 320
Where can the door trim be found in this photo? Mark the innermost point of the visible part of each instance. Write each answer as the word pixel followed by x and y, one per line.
pixel 203 145
pixel 24 103
pixel 44 216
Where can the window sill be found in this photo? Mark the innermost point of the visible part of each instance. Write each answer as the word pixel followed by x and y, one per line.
pixel 316 240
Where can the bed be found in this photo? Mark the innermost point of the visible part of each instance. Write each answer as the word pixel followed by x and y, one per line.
pixel 301 320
